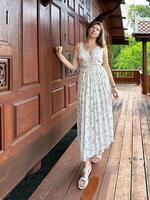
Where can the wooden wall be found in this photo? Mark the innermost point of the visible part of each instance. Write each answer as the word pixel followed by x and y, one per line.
pixel 37 93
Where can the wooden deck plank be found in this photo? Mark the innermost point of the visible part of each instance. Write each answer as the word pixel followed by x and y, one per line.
pixel 107 189
pixel 145 131
pixel 51 184
pixel 124 174
pixel 138 172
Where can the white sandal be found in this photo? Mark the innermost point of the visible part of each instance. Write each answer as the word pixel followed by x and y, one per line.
pixel 95 159
pixel 84 179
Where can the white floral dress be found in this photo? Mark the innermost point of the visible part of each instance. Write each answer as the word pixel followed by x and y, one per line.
pixel 94 107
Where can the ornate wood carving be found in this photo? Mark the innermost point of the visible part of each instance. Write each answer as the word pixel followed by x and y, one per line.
pixel 69 72
pixel 4 74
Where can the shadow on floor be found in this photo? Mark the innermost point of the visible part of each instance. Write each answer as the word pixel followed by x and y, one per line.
pixel 28 185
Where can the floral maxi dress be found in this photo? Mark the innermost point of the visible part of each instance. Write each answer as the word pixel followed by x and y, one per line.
pixel 94 107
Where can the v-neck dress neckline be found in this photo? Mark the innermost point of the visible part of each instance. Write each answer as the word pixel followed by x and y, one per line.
pixel 89 52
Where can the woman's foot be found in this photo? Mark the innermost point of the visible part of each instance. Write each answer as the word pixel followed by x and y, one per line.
pixel 96 158
pixel 84 179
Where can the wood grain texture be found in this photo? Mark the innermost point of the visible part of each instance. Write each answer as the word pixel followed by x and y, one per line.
pixel 27 115
pixel 30 42
pixel 123 172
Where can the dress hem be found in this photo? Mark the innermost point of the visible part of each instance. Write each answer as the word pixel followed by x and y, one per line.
pixel 106 147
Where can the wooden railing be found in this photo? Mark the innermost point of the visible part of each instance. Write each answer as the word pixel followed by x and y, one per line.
pixel 126 76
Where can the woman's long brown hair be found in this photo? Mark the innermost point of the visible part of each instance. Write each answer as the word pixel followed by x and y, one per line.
pixel 100 39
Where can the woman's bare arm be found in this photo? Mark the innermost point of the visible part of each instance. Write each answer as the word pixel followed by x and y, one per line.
pixel 72 66
pixel 107 67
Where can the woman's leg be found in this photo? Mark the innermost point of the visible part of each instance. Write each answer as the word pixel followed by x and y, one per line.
pixel 87 163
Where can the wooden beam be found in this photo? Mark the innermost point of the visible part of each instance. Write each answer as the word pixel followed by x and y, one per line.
pixel 117 28
pixel 106 14
pixel 116 17
pixel 118 41
pixel 45 2
pixel 144 60
pixel 111 1
pixel 141 37
pixel 120 37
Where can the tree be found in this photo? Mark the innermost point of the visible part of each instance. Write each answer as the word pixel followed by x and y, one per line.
pixel 115 51
pixel 137 10
pixel 129 57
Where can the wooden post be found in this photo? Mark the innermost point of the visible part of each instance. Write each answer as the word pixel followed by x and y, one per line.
pixel 144 52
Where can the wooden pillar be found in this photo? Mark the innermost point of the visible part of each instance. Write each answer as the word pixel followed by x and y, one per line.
pixel 144 52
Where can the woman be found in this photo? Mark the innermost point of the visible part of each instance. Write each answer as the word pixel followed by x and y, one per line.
pixel 95 89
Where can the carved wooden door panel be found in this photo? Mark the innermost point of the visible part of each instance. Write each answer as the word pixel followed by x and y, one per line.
pixel 20 88
pixel 71 31
pixel 5 64
pixel 26 82
pixel 62 85
pixel 58 90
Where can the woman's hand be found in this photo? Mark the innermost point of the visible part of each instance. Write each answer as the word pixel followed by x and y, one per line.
pixel 70 65
pixel 59 50
pixel 115 93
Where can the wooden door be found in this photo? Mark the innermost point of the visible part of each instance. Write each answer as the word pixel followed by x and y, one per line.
pixel 20 90
pixel 63 86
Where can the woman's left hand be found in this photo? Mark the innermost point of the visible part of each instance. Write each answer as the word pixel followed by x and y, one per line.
pixel 115 93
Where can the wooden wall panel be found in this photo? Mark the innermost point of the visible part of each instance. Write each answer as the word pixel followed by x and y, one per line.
pixel 1 127
pixel 71 29
pixel 4 20
pixel 95 9
pixel 55 17
pixel 71 4
pixel 88 4
pixel 72 93
pixel 58 100
pixel 81 11
pixel 81 1
pixel 84 10
pixel 81 31
pixel 27 115
pixel 30 45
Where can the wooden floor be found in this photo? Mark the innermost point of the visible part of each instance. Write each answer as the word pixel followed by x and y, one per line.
pixel 124 171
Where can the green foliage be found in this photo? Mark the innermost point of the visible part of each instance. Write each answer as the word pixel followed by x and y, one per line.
pixel 120 52
pixel 129 56
pixel 148 57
